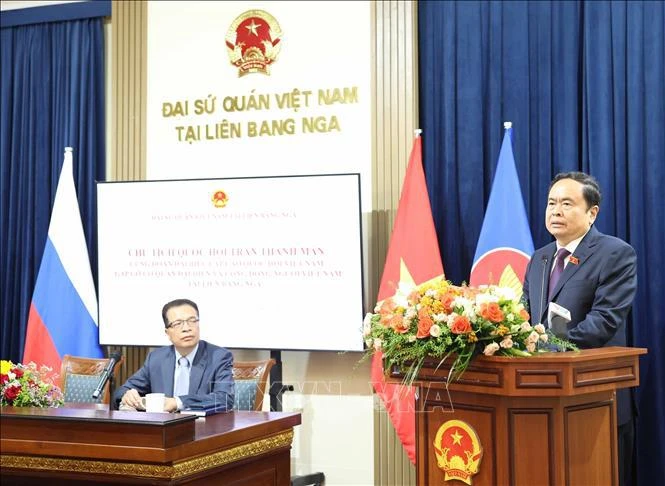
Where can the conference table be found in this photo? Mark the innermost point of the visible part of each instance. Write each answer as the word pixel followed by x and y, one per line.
pixel 88 444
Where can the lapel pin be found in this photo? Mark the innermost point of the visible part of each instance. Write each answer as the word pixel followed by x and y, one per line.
pixel 574 260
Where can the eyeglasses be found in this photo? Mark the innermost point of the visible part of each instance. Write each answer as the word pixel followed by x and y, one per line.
pixel 192 321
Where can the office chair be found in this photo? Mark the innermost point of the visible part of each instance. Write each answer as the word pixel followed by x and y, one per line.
pixel 79 377
pixel 251 378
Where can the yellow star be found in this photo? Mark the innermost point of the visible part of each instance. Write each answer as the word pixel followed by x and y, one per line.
pixel 404 274
pixel 457 438
pixel 251 28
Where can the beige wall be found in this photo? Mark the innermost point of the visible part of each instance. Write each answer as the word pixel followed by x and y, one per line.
pixel 345 433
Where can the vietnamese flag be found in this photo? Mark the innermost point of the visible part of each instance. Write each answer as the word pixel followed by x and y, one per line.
pixel 413 256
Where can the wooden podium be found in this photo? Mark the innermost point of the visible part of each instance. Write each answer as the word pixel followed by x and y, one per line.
pixel 94 446
pixel 545 420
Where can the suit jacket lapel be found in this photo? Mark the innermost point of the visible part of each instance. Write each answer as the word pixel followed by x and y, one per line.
pixel 583 251
pixel 168 372
pixel 198 367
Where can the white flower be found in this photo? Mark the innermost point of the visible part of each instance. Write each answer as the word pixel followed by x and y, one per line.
pixel 435 330
pixel 525 327
pixel 401 301
pixel 432 293
pixel 507 342
pixel 531 347
pixel 485 299
pixel 514 328
pixel 532 338
pixel 539 328
pixel 468 307
pixel 369 342
pixel 543 338
pixel 505 293
pixel 367 325
pixel 404 289
pixel 410 313
pixel 412 338
pixel 490 349
pixel 441 317
pixel 377 344
pixel 510 317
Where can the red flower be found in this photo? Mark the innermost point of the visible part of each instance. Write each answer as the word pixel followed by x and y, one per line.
pixel 4 379
pixel 11 392
pixel 18 372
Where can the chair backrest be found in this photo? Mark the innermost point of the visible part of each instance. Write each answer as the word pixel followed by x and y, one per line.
pixel 79 377
pixel 251 378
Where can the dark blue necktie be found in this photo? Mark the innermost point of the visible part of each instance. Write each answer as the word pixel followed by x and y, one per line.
pixel 557 270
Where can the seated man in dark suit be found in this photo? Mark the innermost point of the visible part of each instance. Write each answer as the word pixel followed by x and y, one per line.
pixel 191 373
pixel 595 282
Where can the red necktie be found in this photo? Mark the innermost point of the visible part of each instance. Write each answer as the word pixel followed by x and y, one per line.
pixel 557 271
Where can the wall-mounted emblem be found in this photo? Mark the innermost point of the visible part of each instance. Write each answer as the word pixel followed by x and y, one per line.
pixel 458 450
pixel 253 42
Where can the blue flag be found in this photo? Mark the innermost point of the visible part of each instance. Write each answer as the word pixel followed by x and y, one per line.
pixel 505 244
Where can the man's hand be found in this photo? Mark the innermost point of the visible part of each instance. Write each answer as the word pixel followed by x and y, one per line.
pixel 170 405
pixel 132 399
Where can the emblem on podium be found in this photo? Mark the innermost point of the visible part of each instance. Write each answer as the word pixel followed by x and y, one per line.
pixel 458 450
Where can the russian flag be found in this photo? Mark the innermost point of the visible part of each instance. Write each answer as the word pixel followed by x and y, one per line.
pixel 63 311
pixel 505 244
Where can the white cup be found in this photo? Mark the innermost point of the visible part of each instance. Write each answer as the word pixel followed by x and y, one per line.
pixel 154 402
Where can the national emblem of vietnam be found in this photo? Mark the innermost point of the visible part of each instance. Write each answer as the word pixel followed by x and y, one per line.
pixel 253 42
pixel 458 450
pixel 219 199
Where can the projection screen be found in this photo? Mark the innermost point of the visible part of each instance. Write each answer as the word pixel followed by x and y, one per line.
pixel 272 262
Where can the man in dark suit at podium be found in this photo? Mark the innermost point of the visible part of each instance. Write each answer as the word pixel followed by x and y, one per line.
pixel 191 373
pixel 585 282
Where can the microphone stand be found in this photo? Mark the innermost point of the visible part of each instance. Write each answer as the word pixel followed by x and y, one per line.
pixel 111 391
pixel 542 289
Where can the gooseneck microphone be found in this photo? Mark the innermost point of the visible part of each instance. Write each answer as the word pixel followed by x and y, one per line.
pixel 542 289
pixel 106 374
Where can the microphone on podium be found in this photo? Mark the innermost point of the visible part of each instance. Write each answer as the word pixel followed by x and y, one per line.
pixel 106 374
pixel 541 303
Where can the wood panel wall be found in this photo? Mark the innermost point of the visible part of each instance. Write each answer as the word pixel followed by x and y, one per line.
pixel 395 118
pixel 127 105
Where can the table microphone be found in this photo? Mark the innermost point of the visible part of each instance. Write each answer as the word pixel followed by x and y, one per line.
pixel 106 374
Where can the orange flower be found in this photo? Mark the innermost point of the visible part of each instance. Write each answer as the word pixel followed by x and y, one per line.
pixel 425 322
pixel 386 312
pixel 447 301
pixel 398 324
pixel 492 312
pixel 502 330
pixel 414 296
pixel 461 325
pixel 525 315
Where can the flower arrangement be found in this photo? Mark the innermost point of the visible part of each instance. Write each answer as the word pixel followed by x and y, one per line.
pixel 27 386
pixel 441 320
